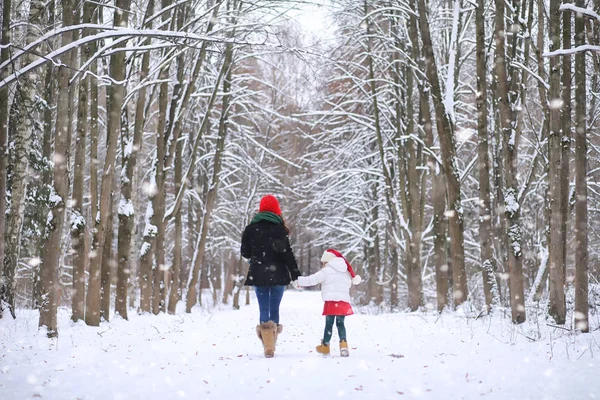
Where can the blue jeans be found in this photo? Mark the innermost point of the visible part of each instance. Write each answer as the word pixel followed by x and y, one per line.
pixel 269 298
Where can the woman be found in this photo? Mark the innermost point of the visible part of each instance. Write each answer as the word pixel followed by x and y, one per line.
pixel 266 245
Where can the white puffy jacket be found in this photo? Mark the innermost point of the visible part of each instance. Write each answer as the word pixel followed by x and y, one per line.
pixel 334 278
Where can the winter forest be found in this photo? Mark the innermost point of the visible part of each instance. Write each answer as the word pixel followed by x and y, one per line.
pixel 449 148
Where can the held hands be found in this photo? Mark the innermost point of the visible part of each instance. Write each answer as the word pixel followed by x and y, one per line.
pixel 295 284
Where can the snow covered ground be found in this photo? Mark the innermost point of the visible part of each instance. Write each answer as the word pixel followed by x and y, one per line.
pixel 217 356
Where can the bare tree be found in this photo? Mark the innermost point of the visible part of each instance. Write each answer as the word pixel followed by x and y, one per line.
pixel 131 147
pixel 409 160
pixel 214 186
pixel 92 301
pixel 175 293
pixel 446 134
pixel 59 197
pixel 565 111
pixel 24 114
pixel 4 54
pixel 581 197
pixel 509 150
pixel 485 215
pixel 78 222
pixel 558 308
pixel 115 98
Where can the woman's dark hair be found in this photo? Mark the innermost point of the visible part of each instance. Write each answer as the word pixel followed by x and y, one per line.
pixel 287 229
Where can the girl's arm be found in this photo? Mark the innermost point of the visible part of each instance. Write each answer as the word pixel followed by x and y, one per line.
pixel 312 280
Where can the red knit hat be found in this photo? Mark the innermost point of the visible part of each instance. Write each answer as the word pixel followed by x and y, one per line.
pixel 330 254
pixel 270 204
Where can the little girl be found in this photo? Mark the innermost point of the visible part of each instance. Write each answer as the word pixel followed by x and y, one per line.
pixel 336 276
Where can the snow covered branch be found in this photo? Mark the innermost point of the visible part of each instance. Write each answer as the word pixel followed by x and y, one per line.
pixel 574 50
pixel 109 33
pixel 580 10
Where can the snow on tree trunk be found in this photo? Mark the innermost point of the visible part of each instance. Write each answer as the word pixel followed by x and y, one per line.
pixel 146 255
pixel 24 113
pixel 508 131
pixel 59 197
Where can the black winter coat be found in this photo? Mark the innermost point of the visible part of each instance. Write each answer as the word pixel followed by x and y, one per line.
pixel 267 247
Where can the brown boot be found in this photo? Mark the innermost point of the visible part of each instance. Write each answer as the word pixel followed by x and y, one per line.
pixel 323 349
pixel 344 349
pixel 267 333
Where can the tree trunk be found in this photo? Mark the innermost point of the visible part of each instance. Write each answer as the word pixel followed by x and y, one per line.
pixel 59 197
pixel 146 259
pixel 448 149
pixel 191 235
pixel 158 197
pixel 175 293
pixel 566 135
pixel 488 268
pixel 43 204
pixel 438 194
pixel 542 91
pixel 509 147
pixel 440 226
pixel 175 125
pixel 410 191
pixel 115 96
pixel 442 267
pixel 158 200
pixel 395 287
pixel 4 55
pixel 241 272
pixel 376 291
pixel 212 193
pixel 229 280
pixel 131 147
pixel 558 309
pixel 107 264
pixel 25 113
pixel 92 301
pixel 78 224
pixel 581 206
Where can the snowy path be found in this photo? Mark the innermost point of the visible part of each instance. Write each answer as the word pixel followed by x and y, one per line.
pixel 217 356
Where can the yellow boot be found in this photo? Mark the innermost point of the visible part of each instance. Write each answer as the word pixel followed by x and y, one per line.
pixel 267 333
pixel 323 349
pixel 344 349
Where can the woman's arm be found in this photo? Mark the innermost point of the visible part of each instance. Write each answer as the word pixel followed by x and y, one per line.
pixel 314 279
pixel 290 260
pixel 281 245
pixel 245 250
